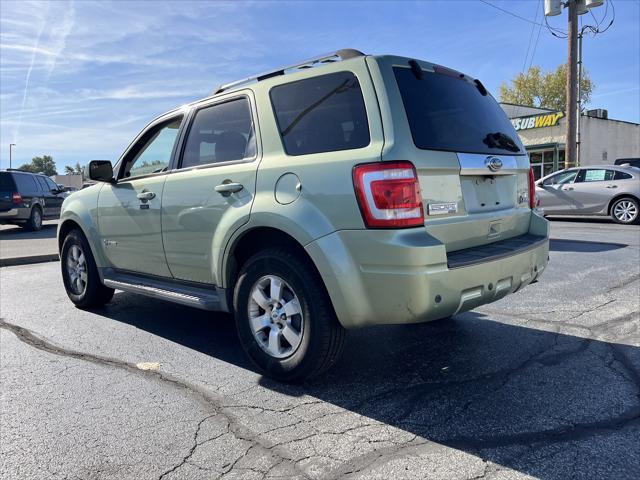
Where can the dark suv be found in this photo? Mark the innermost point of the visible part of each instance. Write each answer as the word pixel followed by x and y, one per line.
pixel 27 198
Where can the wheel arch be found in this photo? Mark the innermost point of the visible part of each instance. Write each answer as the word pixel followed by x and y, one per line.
pixel 618 197
pixel 254 240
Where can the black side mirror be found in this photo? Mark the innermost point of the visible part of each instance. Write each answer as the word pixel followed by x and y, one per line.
pixel 101 171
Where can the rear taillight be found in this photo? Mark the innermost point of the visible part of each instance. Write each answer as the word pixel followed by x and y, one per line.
pixel 16 197
pixel 388 194
pixel 532 190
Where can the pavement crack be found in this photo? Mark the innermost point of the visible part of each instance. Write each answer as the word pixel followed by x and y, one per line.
pixel 211 402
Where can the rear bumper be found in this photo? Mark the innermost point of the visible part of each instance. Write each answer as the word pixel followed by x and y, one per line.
pixel 12 215
pixel 405 276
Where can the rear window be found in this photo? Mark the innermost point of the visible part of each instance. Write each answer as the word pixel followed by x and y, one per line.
pixel 321 114
pixel 25 182
pixel 6 183
pixel 449 113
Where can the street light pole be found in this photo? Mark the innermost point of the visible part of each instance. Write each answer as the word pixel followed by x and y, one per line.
pixel 11 145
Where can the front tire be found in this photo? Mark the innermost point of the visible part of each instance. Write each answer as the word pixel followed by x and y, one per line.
pixel 284 316
pixel 80 273
pixel 34 223
pixel 625 211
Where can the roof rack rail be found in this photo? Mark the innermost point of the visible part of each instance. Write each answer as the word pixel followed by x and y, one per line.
pixel 344 54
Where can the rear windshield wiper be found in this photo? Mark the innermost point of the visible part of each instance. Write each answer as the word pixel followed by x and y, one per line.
pixel 501 140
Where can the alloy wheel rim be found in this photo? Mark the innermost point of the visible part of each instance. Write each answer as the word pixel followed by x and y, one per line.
pixel 275 316
pixel 625 211
pixel 37 218
pixel 77 269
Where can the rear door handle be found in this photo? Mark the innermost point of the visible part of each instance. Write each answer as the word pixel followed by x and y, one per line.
pixel 226 189
pixel 144 196
pixel 612 186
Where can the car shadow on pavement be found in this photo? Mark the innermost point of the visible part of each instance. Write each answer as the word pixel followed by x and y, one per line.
pixel 18 233
pixel 585 246
pixel 535 401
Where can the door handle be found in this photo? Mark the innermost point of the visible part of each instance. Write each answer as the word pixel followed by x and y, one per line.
pixel 226 189
pixel 145 196
pixel 568 188
pixel 612 186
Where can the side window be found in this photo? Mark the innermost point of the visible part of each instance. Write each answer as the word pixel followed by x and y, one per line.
pixel 561 178
pixel 25 183
pixel 152 153
pixel 50 184
pixel 621 176
pixel 321 114
pixel 42 185
pixel 595 175
pixel 220 133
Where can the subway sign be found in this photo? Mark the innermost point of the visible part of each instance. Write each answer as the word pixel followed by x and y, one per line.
pixel 537 121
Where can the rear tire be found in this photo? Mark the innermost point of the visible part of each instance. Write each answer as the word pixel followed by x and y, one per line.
pixel 34 223
pixel 625 211
pixel 80 273
pixel 291 331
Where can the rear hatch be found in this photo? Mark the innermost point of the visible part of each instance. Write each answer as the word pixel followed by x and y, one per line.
pixel 472 167
pixel 7 187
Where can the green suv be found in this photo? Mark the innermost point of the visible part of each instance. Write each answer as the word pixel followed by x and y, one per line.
pixel 345 191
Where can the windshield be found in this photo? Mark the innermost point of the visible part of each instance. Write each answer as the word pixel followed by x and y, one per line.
pixel 449 113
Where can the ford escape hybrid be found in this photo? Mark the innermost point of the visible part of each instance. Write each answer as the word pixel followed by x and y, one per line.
pixel 345 191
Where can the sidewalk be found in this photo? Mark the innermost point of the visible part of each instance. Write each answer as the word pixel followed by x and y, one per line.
pixel 20 247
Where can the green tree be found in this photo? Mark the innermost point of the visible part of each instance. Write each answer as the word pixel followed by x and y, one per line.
pixel 76 169
pixel 44 164
pixel 536 88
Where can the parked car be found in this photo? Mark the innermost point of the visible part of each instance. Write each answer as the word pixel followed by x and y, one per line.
pixel 606 190
pixel 26 199
pixel 345 191
pixel 631 162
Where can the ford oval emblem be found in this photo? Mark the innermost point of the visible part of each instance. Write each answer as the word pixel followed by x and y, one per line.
pixel 493 163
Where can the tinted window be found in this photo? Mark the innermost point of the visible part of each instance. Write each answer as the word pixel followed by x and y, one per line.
pixel 24 183
pixel 42 185
pixel 6 182
pixel 595 175
pixel 152 154
pixel 622 176
pixel 449 113
pixel 220 133
pixel 51 185
pixel 321 114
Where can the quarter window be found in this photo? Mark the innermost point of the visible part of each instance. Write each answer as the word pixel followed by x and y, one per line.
pixel 152 154
pixel 321 114
pixel 622 176
pixel 220 133
pixel 25 183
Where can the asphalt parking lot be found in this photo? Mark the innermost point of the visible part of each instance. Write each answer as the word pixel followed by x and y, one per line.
pixel 544 383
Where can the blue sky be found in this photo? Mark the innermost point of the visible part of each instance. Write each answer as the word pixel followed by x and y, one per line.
pixel 80 79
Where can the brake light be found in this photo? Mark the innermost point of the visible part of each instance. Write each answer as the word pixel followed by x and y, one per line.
pixel 532 190
pixel 16 197
pixel 388 194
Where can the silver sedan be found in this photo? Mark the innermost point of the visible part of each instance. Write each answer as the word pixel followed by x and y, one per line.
pixel 607 190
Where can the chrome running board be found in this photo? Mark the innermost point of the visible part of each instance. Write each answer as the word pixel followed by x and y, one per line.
pixel 200 296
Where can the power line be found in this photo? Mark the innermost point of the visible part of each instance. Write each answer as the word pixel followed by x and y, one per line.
pixel 533 29
pixel 524 19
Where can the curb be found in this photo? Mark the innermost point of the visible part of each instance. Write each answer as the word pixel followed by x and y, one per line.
pixel 14 261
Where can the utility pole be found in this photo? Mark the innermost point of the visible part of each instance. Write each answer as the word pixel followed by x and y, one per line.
pixel 11 145
pixel 553 8
pixel 572 84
